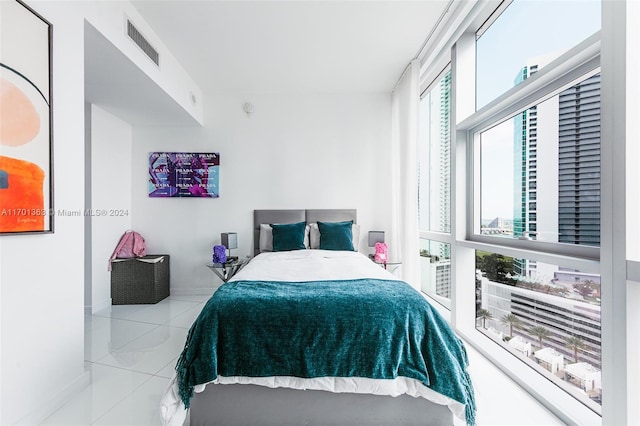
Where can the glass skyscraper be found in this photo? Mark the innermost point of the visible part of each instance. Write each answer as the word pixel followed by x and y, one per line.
pixel 579 164
pixel 556 196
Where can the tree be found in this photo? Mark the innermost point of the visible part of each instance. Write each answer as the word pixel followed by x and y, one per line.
pixel 540 332
pixel 587 287
pixel 485 315
pixel 512 321
pixel 575 343
pixel 497 268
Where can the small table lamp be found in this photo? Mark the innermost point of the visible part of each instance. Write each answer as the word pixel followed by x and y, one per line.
pixel 230 241
pixel 375 237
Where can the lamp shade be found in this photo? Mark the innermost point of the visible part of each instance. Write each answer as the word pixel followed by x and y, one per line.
pixel 229 240
pixel 375 237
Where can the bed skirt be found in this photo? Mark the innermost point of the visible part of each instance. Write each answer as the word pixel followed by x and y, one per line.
pixel 319 401
pixel 242 404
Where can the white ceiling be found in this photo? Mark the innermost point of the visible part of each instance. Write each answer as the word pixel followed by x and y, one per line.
pixel 258 47
pixel 293 46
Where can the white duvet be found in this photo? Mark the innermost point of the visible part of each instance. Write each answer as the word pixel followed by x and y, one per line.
pixel 311 265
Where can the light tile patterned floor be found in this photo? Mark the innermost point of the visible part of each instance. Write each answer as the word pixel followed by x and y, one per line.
pixel 130 352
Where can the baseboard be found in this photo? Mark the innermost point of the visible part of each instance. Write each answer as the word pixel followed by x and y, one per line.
pixel 47 408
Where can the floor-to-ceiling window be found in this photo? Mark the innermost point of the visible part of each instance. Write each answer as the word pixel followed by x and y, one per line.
pixel 537 180
pixel 523 235
pixel 434 188
pixel 547 313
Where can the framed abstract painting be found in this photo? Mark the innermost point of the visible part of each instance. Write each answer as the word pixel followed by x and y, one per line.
pixel 184 174
pixel 26 181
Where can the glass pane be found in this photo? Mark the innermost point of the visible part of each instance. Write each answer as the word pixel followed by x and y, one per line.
pixel 508 50
pixel 540 170
pixel 434 169
pixel 546 315
pixel 435 268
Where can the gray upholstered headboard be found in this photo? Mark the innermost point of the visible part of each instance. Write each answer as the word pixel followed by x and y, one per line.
pixel 293 216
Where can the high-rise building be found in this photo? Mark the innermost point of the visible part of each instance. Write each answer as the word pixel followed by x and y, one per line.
pixel 434 170
pixel 520 150
pixel 556 195
pixel 434 195
pixel 528 157
pixel 436 275
pixel 445 158
pixel 562 317
pixel 579 163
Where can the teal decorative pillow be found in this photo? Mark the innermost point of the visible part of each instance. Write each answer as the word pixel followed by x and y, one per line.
pixel 288 236
pixel 336 235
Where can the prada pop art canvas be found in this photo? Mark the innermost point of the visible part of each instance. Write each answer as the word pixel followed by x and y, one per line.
pixel 184 174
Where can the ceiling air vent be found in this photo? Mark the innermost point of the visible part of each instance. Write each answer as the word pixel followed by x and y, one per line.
pixel 142 43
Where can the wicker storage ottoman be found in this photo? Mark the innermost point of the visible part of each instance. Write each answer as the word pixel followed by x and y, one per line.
pixel 140 280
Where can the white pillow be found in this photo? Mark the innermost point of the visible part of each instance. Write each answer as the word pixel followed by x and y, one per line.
pixel 314 236
pixel 266 237
pixel 355 236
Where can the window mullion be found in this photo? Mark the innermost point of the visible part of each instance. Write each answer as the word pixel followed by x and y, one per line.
pixel 559 249
pixel 438 236
pixel 585 265
pixel 463 83
pixel 617 402
pixel 633 209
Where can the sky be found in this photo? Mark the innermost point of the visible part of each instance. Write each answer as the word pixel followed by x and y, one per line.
pixel 526 29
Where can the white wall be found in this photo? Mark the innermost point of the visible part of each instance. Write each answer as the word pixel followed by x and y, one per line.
pixel 42 275
pixel 295 151
pixel 111 147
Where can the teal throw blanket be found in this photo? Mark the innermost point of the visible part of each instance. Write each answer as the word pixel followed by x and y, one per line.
pixel 378 329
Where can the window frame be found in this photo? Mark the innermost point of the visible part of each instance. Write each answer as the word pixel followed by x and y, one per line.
pixel 426 234
pixel 585 259
pixel 609 260
pixel 580 62
pixel 423 93
pixel 577 63
pixel 619 261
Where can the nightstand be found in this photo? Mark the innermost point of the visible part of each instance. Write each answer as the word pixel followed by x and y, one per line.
pixel 226 271
pixel 390 266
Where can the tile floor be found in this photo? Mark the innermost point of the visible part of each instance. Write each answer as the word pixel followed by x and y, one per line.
pixel 131 350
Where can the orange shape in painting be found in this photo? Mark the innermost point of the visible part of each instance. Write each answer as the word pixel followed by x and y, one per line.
pixel 22 200
pixel 19 120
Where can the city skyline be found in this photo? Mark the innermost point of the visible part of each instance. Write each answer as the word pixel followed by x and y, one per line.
pixel 502 51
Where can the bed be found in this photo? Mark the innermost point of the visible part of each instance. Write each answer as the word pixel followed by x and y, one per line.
pixel 313 332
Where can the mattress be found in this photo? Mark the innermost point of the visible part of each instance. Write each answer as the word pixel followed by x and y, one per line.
pixel 321 320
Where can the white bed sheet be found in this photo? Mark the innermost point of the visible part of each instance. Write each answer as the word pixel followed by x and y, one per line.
pixel 311 265
pixel 305 266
